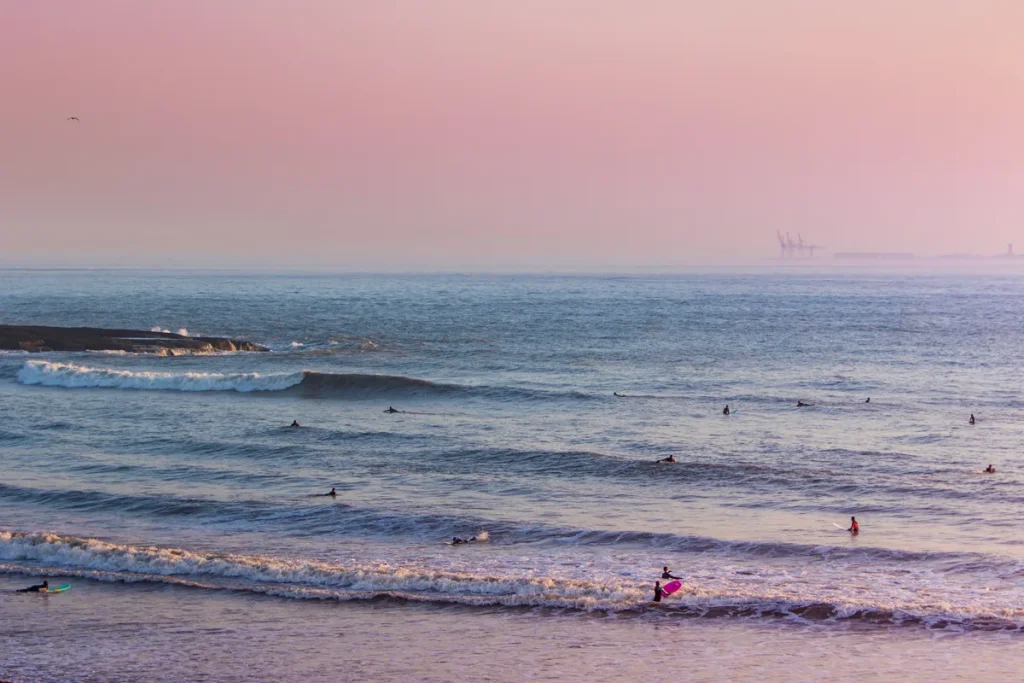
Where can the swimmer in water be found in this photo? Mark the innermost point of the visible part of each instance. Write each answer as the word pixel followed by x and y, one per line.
pixel 459 541
pixel 670 458
pixel 657 591
pixel 665 574
pixel 295 423
pixel 41 588
pixel 726 411
pixel 332 493
pixel 971 421
pixel 854 527
pixel 390 410
pixel 990 469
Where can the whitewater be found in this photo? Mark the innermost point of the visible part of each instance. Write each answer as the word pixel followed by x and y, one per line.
pixel 530 413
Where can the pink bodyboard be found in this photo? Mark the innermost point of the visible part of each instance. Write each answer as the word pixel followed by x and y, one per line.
pixel 671 587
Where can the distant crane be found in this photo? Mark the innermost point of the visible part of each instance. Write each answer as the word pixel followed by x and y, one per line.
pixel 799 249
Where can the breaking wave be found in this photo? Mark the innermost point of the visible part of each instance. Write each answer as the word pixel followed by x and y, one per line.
pixel 71 375
pixel 69 556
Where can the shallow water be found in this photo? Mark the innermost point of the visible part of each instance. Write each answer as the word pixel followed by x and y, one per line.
pixel 181 471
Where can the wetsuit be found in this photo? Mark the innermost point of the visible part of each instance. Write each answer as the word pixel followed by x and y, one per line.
pixel 854 528
pixel 657 593
pixel 667 575
pixel 41 588
pixel 726 411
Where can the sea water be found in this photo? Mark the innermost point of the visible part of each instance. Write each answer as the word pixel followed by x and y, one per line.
pixel 189 517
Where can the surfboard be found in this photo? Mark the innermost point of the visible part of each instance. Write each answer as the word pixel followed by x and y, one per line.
pixel 59 589
pixel 839 527
pixel 671 587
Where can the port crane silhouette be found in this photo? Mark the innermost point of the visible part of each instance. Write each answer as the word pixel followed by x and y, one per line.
pixel 799 249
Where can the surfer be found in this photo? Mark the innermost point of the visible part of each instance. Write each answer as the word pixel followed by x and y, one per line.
pixel 854 527
pixel 657 591
pixel 295 423
pixel 971 421
pixel 459 541
pixel 801 404
pixel 990 469
pixel 665 574
pixel 869 400
pixel 390 410
pixel 726 411
pixel 332 493
pixel 670 458
pixel 615 393
pixel 41 588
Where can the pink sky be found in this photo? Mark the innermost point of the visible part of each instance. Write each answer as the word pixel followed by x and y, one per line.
pixel 403 133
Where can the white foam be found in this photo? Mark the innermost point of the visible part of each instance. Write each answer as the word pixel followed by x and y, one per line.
pixel 296 344
pixel 70 375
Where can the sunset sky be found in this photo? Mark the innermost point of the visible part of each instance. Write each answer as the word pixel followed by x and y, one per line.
pixel 534 133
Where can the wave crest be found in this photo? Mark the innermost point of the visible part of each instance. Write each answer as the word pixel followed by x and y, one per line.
pixel 308 383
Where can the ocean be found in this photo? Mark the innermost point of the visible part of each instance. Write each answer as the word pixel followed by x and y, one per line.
pixel 190 520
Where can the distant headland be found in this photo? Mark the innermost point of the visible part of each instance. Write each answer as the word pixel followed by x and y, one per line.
pixel 34 338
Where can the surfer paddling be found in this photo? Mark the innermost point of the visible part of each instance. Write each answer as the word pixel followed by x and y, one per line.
pixel 670 458
pixel 391 409
pixel 854 527
pixel 41 588
pixel 990 469
pixel 332 493
pixel 801 404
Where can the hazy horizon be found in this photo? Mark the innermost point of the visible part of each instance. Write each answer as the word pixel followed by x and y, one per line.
pixel 557 136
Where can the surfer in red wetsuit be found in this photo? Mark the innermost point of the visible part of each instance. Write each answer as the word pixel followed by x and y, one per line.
pixel 657 591
pixel 854 527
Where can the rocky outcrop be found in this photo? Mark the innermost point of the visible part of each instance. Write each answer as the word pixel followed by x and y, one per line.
pixel 36 338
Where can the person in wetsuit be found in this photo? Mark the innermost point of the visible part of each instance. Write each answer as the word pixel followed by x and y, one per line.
pixel 41 588
pixel 390 410
pixel 459 541
pixel 295 423
pixel 332 493
pixel 801 404
pixel 666 575
pixel 854 527
pixel 726 411
pixel 869 400
pixel 990 469
pixel 657 591
pixel 971 421
pixel 670 458
pixel 615 393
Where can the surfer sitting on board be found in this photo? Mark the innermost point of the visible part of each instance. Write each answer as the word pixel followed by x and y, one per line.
pixel 41 588
pixel 657 591
pixel 726 411
pixel 666 575
pixel 990 470
pixel 295 423
pixel 971 421
pixel 854 527
pixel 332 493
pixel 670 458
pixel 390 410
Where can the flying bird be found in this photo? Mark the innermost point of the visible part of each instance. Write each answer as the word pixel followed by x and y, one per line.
pixel 73 118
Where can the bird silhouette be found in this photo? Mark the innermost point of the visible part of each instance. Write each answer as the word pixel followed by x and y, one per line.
pixel 73 118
